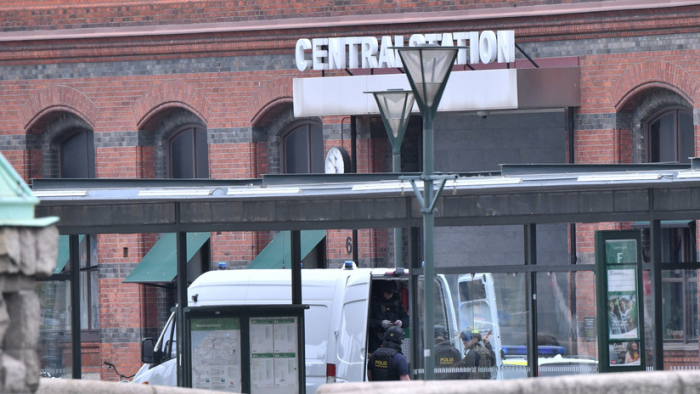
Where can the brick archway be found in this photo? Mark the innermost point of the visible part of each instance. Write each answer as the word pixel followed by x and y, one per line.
pixel 266 102
pixel 651 74
pixel 58 98
pixel 171 94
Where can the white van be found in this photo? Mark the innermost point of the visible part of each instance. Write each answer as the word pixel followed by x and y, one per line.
pixel 336 323
pixel 478 311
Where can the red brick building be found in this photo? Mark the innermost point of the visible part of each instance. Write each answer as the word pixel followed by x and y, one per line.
pixel 204 89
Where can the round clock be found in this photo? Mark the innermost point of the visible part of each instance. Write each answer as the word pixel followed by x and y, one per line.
pixel 337 161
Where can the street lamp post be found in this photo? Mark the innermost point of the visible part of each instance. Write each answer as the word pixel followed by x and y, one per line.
pixel 428 67
pixel 395 107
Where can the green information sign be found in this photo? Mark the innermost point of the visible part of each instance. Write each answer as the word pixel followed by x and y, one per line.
pixel 620 332
pixel 621 251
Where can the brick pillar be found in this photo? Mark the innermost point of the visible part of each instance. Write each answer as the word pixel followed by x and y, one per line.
pixel 25 254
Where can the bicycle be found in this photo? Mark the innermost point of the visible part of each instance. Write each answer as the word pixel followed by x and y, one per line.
pixel 122 378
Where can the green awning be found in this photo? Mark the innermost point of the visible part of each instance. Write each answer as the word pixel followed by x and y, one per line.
pixel 277 254
pixel 64 252
pixel 160 263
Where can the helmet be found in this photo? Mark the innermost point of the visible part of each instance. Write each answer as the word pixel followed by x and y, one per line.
pixel 467 335
pixel 388 287
pixel 393 334
pixel 441 331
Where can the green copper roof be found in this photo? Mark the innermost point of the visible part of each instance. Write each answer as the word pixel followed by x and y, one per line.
pixel 17 201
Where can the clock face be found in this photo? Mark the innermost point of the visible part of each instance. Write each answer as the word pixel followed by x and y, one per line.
pixel 337 161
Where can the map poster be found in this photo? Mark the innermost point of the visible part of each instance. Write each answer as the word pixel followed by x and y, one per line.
pixel 216 354
pixel 274 355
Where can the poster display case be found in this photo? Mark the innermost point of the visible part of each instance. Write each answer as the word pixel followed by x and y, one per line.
pixel 255 349
pixel 621 334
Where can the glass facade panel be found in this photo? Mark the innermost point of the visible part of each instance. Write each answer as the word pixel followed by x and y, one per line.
pixel 680 306
pixel 482 312
pixel 566 322
pixel 55 330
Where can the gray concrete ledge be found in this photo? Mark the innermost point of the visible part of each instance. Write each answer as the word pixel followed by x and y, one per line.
pixel 76 386
pixel 663 382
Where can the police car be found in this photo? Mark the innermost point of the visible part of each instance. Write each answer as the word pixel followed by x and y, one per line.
pixel 552 361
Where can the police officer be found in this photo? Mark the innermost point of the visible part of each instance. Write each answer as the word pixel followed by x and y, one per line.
pixel 386 311
pixel 471 357
pixel 387 362
pixel 446 355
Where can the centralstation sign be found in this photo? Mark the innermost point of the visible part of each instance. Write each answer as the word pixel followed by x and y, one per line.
pixel 494 87
pixel 338 53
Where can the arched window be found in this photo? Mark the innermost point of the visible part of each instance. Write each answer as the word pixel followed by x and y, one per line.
pixel 188 153
pixel 303 149
pixel 670 136
pixel 77 155
pixel 188 157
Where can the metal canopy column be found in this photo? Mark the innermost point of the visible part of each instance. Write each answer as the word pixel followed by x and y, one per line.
pixel 76 348
pixel 530 235
pixel 181 302
pixel 413 302
pixel 181 244
pixel 295 248
pixel 655 232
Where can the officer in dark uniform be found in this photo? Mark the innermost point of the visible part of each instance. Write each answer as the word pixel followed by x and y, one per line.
pixel 387 362
pixel 446 355
pixel 386 311
pixel 471 356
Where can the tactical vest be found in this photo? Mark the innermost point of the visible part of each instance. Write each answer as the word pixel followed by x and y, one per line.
pixel 486 361
pixel 383 367
pixel 445 358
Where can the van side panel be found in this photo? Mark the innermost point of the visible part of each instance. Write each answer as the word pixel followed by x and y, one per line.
pixel 316 326
pixel 352 332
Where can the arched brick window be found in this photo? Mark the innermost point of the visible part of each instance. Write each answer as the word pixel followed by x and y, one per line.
pixel 188 153
pixel 303 148
pixel 670 136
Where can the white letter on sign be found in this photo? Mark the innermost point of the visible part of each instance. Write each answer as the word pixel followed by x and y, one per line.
pixel 386 55
pixel 473 47
pixel 416 40
pixel 318 54
pixel 506 46
pixel 353 44
pixel 369 52
pixel 303 44
pixel 487 47
pixel 336 54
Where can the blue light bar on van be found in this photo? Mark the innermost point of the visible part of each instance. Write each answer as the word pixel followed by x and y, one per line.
pixel 543 350
pixel 349 265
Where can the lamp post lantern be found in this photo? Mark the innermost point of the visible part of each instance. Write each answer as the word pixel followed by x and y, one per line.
pixel 395 107
pixel 428 67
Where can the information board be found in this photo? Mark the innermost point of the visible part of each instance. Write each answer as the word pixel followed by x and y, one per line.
pixel 618 255
pixel 274 356
pixel 256 349
pixel 216 354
